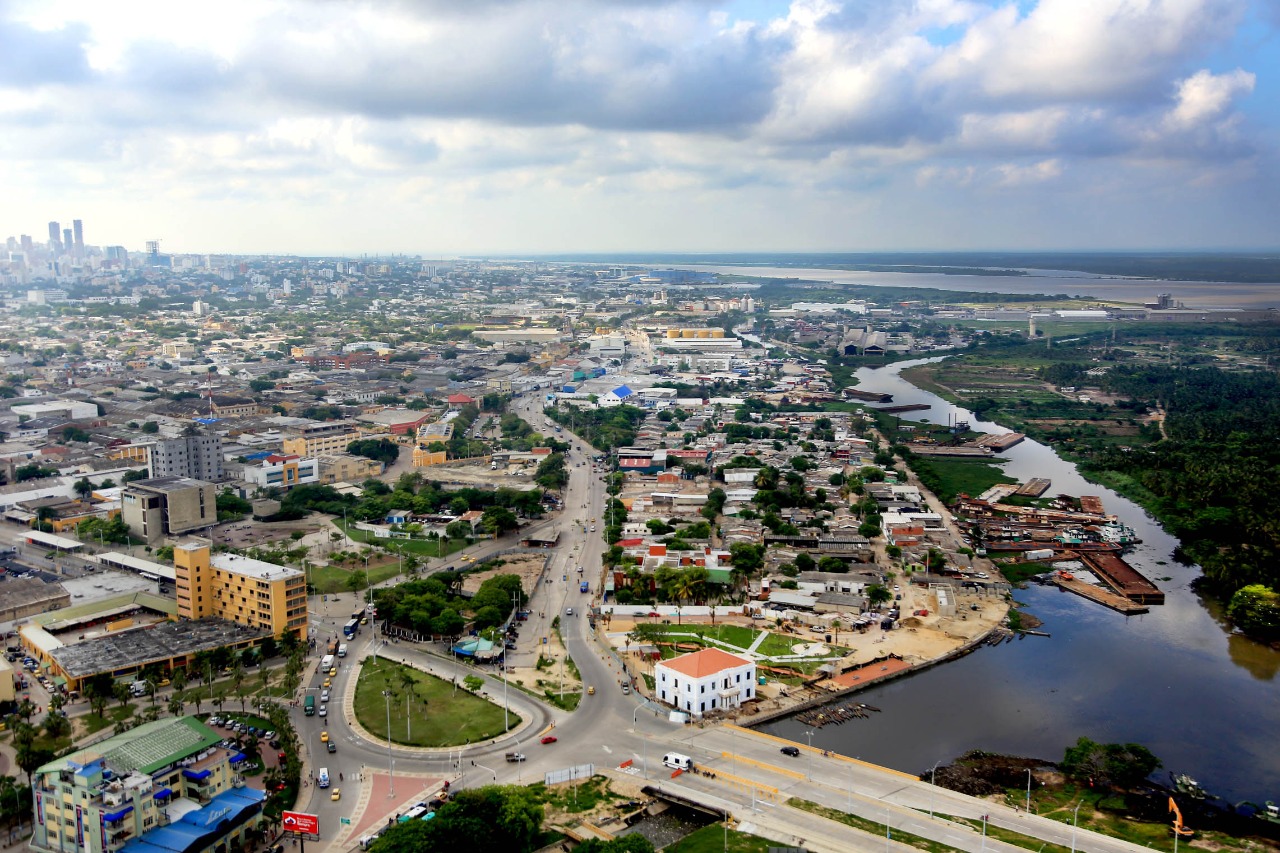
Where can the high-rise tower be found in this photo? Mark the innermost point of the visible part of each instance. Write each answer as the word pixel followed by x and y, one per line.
pixel 77 230
pixel 55 236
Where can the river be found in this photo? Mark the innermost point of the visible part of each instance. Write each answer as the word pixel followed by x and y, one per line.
pixel 1176 680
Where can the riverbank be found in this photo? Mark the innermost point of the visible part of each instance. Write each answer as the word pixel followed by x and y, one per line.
pixel 1111 677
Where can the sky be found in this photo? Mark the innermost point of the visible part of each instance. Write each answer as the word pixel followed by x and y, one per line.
pixel 445 127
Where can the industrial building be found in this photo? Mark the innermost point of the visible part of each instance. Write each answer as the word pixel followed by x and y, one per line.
pixel 164 786
pixel 168 506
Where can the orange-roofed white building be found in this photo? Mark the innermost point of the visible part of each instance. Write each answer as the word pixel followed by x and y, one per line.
pixel 705 682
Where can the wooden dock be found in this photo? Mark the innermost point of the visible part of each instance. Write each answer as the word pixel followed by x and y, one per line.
pixel 1122 577
pixel 1034 488
pixel 999 442
pixel 963 451
pixel 867 396
pixel 894 410
pixel 1097 594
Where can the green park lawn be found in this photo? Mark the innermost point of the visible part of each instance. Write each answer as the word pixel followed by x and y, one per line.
pixel 713 839
pixel 440 716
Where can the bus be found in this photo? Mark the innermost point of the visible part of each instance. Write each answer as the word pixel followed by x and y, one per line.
pixel 309 706
pixel 349 629
pixel 412 814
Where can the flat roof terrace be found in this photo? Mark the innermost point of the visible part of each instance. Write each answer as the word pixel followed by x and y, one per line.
pixel 128 651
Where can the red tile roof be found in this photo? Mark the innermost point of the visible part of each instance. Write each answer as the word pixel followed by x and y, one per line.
pixel 704 663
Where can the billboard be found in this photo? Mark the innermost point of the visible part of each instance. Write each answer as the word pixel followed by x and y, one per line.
pixel 308 824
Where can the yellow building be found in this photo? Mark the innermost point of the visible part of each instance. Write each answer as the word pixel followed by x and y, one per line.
pixel 348 468
pixel 423 458
pixel 139 453
pixel 241 589
pixel 321 438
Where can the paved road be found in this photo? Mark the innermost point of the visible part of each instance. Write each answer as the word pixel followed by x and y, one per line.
pixel 610 728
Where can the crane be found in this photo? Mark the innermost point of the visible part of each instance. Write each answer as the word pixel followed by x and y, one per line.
pixel 1180 830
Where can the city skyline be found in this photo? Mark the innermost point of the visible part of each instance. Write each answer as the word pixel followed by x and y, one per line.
pixel 509 127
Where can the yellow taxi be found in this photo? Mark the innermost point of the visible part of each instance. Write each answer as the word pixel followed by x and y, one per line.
pixel 333 672
pixel 324 737
pixel 327 684
pixel 336 795
pixel 591 691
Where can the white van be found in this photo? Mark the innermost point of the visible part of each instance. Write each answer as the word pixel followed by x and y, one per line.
pixel 678 761
pixel 323 777
pixel 342 650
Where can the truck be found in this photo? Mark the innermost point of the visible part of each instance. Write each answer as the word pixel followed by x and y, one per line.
pixel 515 757
pixel 342 650
pixel 1037 554
pixel 326 663
pixel 584 587
pixel 678 760
pixel 309 706
pixel 138 688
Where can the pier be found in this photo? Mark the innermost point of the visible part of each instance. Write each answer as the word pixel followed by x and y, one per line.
pixel 963 451
pixel 1105 597
pixel 894 410
pixel 998 443
pixel 1122 577
pixel 1035 488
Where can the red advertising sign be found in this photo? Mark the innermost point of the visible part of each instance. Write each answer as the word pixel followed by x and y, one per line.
pixel 308 824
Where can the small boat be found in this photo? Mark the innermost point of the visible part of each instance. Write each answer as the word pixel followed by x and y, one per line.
pixel 1270 812
pixel 1184 784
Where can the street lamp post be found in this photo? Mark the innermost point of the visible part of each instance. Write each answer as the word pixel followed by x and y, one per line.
pixel 1074 814
pixel 933 784
pixel 809 735
pixel 887 834
pixel 1028 790
pixel 391 764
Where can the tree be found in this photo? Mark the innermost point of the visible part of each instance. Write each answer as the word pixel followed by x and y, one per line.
pixel 29 755
pixel 1255 609
pixel 357 580
pixel 832 564
pixel 458 530
pixel 879 594
pixel 150 427
pixel 56 725
pixel 120 691
pixel 1108 765
pixel 746 557
pixel 83 487
pixel 804 562
pixel 498 520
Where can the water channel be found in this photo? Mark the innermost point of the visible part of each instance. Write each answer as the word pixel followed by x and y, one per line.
pixel 1205 701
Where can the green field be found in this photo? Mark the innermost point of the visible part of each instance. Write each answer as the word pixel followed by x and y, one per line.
pixel 947 478
pixel 713 839
pixel 439 716
pixel 421 547
pixel 331 579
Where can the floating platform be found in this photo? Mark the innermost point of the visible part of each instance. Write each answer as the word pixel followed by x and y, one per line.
pixel 866 396
pixel 1034 488
pixel 1097 594
pixel 1092 504
pixel 1000 442
pixel 963 450
pixel 894 410
pixel 1123 578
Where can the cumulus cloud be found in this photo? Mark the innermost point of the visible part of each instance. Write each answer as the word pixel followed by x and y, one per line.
pixel 1206 97
pixel 616 99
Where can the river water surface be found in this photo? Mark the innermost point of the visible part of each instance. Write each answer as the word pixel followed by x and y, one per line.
pixel 1175 680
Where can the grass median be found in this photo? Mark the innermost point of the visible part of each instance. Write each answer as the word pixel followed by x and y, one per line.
pixel 434 714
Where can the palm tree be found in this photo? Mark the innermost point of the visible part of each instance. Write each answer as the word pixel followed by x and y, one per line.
pixel 835 630
pixel 97 701
pixel 175 703
pixel 195 696
pixel 237 683
pixel 179 679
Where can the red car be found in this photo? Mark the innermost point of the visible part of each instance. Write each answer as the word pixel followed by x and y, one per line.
pixel 653 614
pixel 549 739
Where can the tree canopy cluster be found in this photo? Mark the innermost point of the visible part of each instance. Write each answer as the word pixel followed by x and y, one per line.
pixel 382 450
pixel 605 429
pixel 412 494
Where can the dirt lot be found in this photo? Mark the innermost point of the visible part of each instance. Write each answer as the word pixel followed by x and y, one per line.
pixel 527 566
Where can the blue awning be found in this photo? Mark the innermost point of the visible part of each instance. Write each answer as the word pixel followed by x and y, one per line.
pixel 196 774
pixel 161 794
pixel 238 757
pixel 112 817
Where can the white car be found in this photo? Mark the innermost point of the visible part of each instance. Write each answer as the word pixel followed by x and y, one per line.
pixel 324 710
pixel 568 611
pixel 982 575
